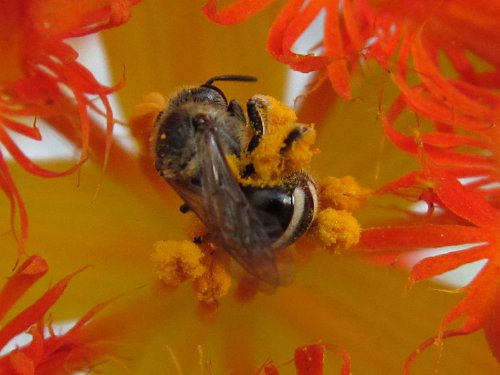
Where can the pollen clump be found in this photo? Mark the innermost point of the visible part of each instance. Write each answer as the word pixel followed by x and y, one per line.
pixel 301 152
pixel 279 113
pixel 177 261
pixel 342 193
pixel 336 229
pixel 277 155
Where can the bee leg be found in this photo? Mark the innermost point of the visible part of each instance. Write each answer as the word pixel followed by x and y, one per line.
pixel 234 108
pixel 184 208
pixel 292 137
pixel 256 124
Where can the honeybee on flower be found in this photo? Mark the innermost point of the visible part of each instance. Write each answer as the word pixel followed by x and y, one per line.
pixel 242 174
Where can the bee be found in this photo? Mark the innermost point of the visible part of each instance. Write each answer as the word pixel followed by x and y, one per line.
pixel 191 141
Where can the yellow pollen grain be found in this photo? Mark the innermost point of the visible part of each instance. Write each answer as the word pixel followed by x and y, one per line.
pixel 342 193
pixel 336 230
pixel 177 261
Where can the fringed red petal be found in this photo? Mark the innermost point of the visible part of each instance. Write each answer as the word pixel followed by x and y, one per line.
pixel 54 354
pixel 442 148
pixel 35 312
pixel 287 28
pixel 48 67
pixel 428 71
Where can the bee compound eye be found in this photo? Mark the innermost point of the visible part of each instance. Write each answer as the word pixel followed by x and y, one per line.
pixel 200 120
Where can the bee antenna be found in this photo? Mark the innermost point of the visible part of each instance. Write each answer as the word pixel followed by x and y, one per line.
pixel 230 77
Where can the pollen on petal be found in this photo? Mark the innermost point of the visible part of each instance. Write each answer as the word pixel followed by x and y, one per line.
pixel 342 193
pixel 177 261
pixel 336 229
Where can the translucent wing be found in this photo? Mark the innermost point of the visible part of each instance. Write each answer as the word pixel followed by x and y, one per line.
pixel 231 220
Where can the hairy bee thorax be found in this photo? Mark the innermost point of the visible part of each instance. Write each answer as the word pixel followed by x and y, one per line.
pixel 178 134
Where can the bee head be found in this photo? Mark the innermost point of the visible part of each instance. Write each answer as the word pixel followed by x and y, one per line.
pixel 189 113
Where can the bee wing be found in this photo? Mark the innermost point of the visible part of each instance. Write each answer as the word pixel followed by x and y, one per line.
pixel 231 220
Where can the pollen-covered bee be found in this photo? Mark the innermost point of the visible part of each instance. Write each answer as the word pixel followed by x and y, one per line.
pixel 193 139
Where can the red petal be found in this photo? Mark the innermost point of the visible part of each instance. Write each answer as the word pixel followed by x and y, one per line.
pixel 419 236
pixel 74 347
pixel 286 29
pixel 26 162
pixel 463 201
pixel 337 69
pixel 441 87
pixel 435 109
pixel 26 275
pixel 481 297
pixel 28 131
pixel 439 264
pixel 35 350
pixel 21 363
pixel 269 369
pixel 234 13
pixel 33 313
pixel 448 140
pixel 352 25
pixel 310 359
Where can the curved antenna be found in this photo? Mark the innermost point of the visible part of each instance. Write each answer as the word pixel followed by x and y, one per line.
pixel 230 77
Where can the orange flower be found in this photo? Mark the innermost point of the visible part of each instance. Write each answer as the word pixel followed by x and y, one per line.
pixel 444 59
pixel 343 300
pixel 44 355
pixel 39 69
